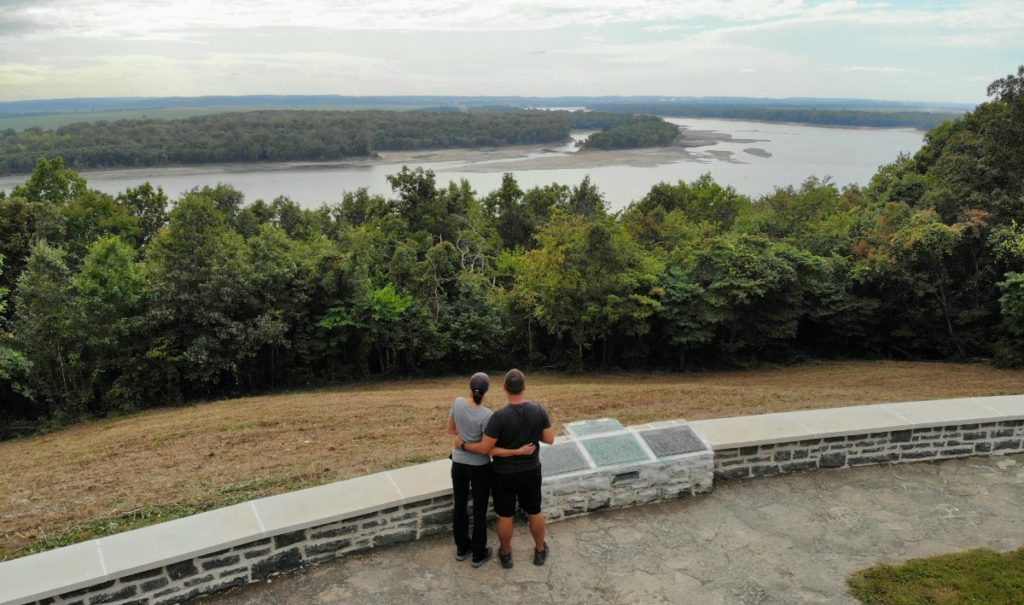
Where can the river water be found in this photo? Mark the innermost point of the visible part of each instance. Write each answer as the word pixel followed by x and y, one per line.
pixel 753 157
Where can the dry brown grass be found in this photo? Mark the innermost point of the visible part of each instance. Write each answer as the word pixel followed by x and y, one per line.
pixel 106 476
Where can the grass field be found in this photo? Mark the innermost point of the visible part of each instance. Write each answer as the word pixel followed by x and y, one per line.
pixel 977 576
pixel 110 475
pixel 57 120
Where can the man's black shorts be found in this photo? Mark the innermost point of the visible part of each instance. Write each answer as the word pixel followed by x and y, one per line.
pixel 506 488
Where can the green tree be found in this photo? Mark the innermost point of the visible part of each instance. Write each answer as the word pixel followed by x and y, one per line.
pixel 91 215
pixel 476 322
pixel 373 319
pixel 418 198
pixel 14 367
pixel 935 281
pixel 225 198
pixel 1010 351
pixel 148 206
pixel 360 208
pixel 51 182
pixel 587 201
pixel 816 217
pixel 45 312
pixel 589 281
pixel 511 217
pixel 740 296
pixel 284 281
pixel 977 160
pixel 22 225
pixel 702 200
pixel 200 322
pixel 108 292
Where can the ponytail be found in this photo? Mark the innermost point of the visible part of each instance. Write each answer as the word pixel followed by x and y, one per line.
pixel 478 385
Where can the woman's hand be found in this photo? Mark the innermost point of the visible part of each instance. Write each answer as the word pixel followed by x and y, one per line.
pixel 526 450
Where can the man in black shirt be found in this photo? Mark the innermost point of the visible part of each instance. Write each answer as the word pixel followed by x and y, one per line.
pixel 515 478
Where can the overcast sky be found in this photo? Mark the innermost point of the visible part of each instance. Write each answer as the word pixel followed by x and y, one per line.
pixel 901 50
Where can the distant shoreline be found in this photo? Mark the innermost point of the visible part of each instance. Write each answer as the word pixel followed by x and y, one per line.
pixel 491 159
pixel 515 157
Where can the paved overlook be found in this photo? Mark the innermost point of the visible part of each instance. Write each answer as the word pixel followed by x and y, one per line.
pixel 788 539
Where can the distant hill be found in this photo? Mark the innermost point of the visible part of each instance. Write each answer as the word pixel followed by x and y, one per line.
pixel 109 104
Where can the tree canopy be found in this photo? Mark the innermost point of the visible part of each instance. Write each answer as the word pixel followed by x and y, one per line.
pixel 115 303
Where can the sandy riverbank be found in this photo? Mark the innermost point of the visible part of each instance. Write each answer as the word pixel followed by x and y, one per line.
pixel 692 146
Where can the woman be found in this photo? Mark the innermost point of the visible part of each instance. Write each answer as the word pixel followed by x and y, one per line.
pixel 467 419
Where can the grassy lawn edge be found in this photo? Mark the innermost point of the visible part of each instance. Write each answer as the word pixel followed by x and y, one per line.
pixel 70 485
pixel 974 576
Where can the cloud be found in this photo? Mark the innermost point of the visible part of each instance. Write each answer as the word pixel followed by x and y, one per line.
pixel 783 47
pixel 971 23
pixel 875 69
pixel 15 75
pixel 135 19
pixel 214 73
pixel 13 24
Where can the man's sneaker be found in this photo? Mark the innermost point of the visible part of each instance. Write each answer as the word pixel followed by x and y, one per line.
pixel 483 559
pixel 539 556
pixel 506 560
pixel 460 555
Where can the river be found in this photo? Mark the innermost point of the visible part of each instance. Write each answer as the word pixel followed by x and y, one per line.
pixel 753 157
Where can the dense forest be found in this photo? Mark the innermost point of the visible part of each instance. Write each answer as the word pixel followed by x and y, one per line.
pixel 921 120
pixel 635 132
pixel 313 136
pixel 117 303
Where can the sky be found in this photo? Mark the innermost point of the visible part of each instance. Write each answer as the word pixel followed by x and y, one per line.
pixel 936 51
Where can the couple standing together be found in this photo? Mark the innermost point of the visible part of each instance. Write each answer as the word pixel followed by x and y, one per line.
pixel 497 453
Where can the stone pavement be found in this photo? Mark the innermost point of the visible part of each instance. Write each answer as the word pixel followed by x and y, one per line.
pixel 787 539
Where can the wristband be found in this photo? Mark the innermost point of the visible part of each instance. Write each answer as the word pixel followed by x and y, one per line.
pixel 463 446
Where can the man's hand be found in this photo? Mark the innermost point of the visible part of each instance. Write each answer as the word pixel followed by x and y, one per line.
pixel 458 442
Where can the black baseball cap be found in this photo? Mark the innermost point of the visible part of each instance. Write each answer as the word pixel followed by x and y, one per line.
pixel 479 382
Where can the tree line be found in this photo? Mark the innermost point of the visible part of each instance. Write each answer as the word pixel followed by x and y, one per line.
pixel 314 136
pixel 921 120
pixel 118 303
pixel 635 132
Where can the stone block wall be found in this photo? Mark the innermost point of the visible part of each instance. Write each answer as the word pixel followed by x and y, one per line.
pixel 564 496
pixel 627 485
pixel 255 561
pixel 908 445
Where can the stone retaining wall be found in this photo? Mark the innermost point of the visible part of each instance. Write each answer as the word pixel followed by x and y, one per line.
pixel 261 559
pixel 907 445
pixel 628 485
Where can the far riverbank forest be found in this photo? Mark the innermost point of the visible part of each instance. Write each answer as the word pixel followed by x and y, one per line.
pixel 115 303
pixel 314 136
pixel 920 120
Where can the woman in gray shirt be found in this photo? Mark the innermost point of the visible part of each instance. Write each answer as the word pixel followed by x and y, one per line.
pixel 467 419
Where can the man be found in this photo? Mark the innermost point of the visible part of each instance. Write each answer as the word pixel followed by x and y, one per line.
pixel 520 424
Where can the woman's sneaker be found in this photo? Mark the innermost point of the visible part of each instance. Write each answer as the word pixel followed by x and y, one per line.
pixel 506 560
pixel 483 559
pixel 539 556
